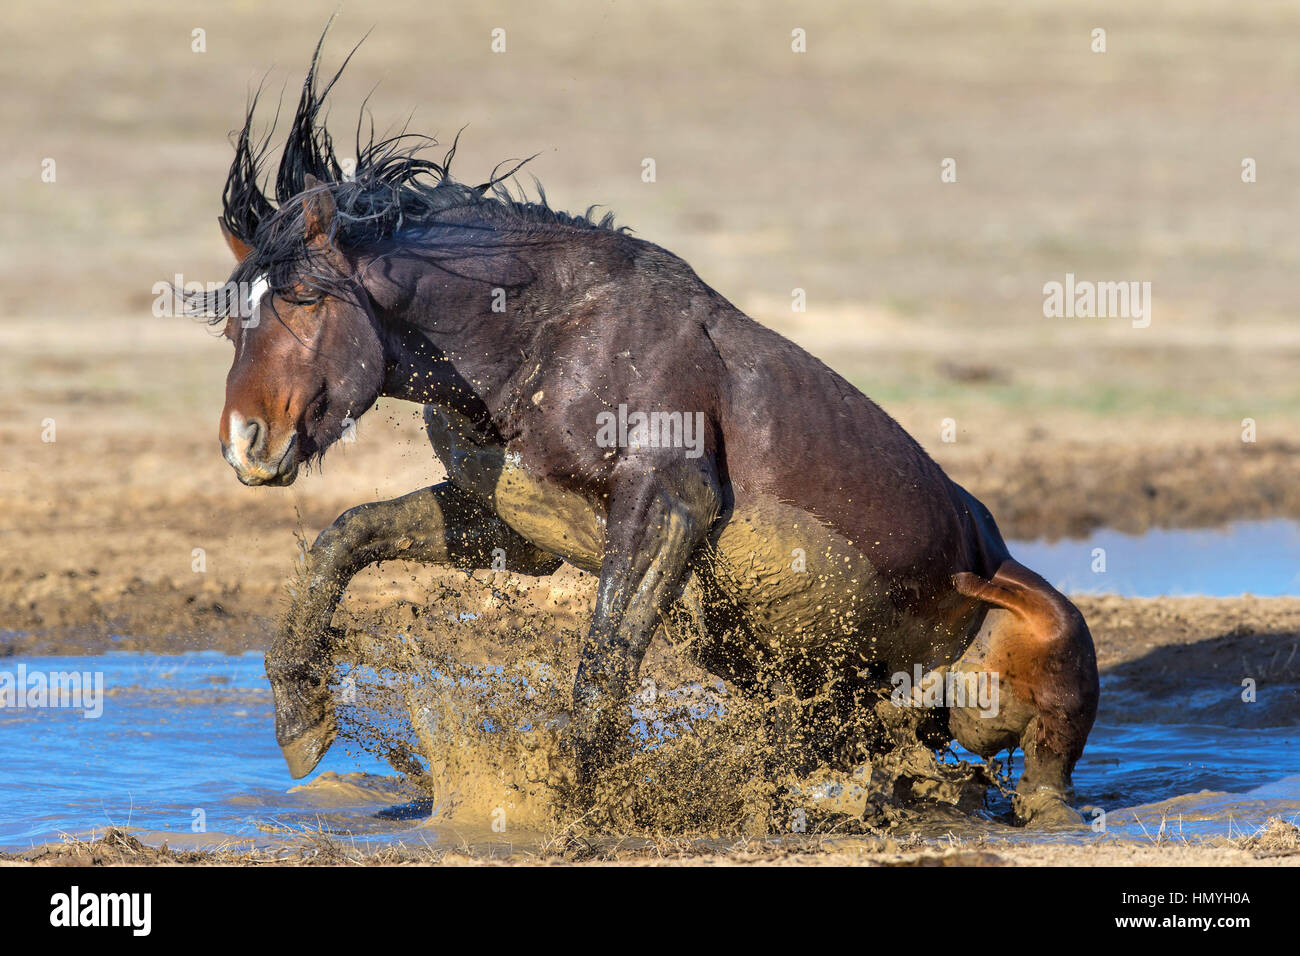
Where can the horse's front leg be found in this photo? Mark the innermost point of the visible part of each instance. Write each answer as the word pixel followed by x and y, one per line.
pixel 437 525
pixel 659 512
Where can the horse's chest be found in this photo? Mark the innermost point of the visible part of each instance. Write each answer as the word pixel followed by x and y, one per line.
pixel 543 512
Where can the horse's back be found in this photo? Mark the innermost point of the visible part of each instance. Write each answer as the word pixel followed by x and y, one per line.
pixel 796 431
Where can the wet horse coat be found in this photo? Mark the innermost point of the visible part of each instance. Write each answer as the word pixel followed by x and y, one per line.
pixel 813 537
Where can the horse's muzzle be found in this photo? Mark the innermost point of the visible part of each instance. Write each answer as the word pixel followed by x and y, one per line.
pixel 245 452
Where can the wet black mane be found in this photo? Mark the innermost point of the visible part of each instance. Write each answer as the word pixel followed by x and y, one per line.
pixel 394 189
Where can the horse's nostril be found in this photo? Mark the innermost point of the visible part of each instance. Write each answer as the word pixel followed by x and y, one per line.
pixel 254 433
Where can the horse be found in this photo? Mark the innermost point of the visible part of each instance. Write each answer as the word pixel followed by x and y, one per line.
pixel 594 402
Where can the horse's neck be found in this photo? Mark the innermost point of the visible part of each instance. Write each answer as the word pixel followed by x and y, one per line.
pixel 456 332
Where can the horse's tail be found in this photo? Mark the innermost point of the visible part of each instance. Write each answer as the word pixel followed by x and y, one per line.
pixel 1019 590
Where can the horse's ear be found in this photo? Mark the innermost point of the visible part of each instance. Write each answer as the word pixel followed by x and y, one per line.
pixel 317 211
pixel 239 247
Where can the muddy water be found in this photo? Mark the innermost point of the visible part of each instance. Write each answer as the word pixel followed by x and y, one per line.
pixel 1244 557
pixel 183 752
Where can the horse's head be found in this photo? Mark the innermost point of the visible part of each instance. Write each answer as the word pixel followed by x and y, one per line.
pixel 308 356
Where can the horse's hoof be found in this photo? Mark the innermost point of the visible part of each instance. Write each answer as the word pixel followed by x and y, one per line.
pixel 304 723
pixel 1045 808
pixel 304 753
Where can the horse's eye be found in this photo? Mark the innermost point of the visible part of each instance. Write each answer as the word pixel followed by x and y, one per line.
pixel 303 297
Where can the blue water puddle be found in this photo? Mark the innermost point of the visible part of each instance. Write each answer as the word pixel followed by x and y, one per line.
pixel 1195 781
pixel 193 732
pixel 178 734
pixel 1244 557
pixel 185 741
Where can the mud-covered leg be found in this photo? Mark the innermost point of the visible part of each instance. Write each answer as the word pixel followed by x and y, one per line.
pixel 1037 645
pixel 436 525
pixel 657 517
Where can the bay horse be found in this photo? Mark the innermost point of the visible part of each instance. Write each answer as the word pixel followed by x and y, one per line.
pixel 804 524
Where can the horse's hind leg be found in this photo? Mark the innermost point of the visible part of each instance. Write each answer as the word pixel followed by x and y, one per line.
pixel 1037 645
pixel 437 525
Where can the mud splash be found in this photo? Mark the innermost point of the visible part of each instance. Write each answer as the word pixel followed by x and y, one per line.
pixel 468 696
pixel 474 689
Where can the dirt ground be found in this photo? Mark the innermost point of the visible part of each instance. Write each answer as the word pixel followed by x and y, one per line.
pixel 1278 844
pixel 817 171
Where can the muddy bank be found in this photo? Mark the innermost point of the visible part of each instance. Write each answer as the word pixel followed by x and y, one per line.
pixel 86 612
pixel 1062 490
pixel 78 614
pixel 1194 635
pixel 118 596
pixel 1278 844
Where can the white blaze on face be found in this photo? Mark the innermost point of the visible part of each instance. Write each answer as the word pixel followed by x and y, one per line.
pixel 261 285
pixel 237 448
